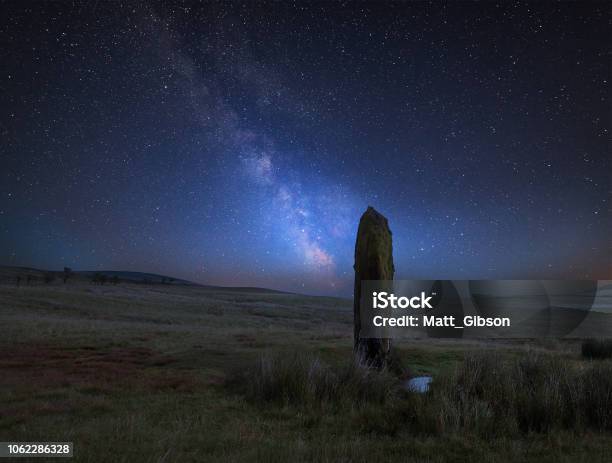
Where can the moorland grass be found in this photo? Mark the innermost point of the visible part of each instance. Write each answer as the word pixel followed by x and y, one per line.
pixel 486 394
pixel 137 372
pixel 303 380
pixel 534 393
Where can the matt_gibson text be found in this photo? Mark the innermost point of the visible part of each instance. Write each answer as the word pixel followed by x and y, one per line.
pixel 448 321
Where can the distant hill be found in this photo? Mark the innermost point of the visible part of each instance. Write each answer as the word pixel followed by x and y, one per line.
pixel 12 272
pixel 137 277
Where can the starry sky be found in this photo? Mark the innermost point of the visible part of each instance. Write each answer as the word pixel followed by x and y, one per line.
pixel 239 143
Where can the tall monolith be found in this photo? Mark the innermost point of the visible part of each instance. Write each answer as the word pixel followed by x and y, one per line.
pixel 373 261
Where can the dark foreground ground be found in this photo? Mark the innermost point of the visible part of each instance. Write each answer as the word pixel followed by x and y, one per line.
pixel 164 373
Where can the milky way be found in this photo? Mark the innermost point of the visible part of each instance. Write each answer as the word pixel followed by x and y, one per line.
pixel 238 144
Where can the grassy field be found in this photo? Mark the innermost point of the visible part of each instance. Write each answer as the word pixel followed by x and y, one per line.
pixel 165 373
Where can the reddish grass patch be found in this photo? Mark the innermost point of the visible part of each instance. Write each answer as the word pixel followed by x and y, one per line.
pixel 176 382
pixel 245 339
pixel 43 367
pixel 31 373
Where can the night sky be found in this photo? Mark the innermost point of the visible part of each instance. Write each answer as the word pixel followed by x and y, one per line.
pixel 238 144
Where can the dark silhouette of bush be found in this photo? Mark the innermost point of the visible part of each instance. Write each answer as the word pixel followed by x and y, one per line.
pixel 67 274
pixel 29 279
pixel 18 280
pixel 49 277
pixel 114 280
pixel 99 278
pixel 597 348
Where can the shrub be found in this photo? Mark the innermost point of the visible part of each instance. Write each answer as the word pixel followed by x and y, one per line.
pixel 597 348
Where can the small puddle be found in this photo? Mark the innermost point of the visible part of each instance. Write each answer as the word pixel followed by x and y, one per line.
pixel 418 384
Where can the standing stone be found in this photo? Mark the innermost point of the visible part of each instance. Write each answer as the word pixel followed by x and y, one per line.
pixel 373 261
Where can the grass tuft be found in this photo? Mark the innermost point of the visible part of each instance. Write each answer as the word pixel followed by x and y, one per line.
pixel 534 393
pixel 304 380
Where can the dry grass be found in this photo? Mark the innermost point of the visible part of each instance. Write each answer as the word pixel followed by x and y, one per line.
pixel 306 381
pixel 536 392
pixel 486 394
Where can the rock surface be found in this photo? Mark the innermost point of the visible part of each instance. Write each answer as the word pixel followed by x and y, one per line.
pixel 373 261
